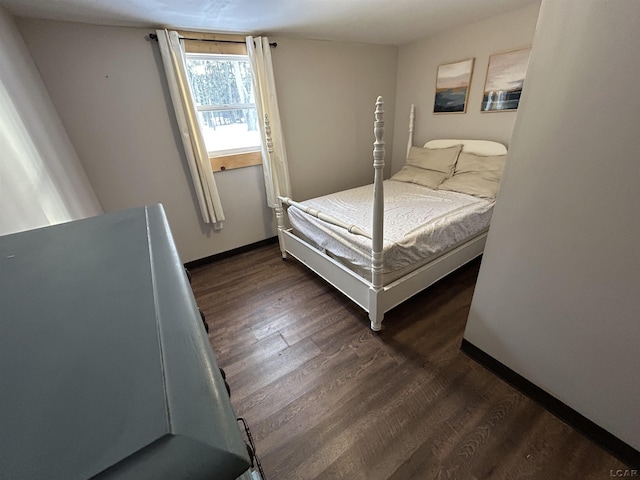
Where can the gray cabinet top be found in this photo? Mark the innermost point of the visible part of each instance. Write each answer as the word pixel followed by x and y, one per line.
pixel 105 369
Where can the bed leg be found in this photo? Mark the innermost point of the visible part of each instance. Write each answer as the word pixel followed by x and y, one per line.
pixel 376 321
pixel 279 210
pixel 283 251
pixel 376 314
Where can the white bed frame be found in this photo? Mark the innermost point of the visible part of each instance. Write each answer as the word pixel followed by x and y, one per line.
pixel 374 297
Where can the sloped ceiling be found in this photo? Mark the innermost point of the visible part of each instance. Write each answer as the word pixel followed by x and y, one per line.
pixel 390 22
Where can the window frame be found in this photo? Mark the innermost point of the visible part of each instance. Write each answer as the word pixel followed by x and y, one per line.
pixel 210 49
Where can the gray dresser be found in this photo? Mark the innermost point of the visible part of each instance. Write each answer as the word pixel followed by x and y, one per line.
pixel 105 368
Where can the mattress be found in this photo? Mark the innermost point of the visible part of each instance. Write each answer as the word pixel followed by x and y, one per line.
pixel 420 224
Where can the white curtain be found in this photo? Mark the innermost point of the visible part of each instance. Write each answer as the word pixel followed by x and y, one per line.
pixel 173 58
pixel 276 169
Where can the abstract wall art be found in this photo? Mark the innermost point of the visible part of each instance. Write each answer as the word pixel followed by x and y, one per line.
pixel 452 86
pixel 505 78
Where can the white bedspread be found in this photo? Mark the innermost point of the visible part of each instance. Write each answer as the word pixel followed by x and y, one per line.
pixel 419 224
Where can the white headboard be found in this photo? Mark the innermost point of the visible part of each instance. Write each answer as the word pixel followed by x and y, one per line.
pixel 479 147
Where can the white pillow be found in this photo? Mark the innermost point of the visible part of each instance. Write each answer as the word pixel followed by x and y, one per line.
pixel 438 159
pixel 427 166
pixel 488 166
pixel 420 176
pixel 476 175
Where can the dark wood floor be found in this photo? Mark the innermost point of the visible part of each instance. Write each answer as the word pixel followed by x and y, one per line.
pixel 326 398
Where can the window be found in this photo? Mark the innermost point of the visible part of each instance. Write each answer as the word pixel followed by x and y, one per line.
pixel 223 93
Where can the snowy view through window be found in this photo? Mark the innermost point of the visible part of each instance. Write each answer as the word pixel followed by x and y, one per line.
pixel 223 93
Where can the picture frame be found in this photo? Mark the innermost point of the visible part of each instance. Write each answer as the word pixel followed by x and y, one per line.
pixel 503 84
pixel 452 86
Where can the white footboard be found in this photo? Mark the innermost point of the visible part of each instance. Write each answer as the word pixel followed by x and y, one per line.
pixel 377 302
pixel 374 297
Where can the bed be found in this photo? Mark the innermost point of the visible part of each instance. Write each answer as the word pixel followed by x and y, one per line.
pixel 381 244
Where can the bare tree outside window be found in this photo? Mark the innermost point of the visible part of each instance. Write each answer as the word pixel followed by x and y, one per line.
pixel 223 92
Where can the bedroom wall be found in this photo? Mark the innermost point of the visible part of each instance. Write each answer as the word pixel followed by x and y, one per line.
pixel 557 296
pixel 327 111
pixel 34 192
pixel 417 67
pixel 108 86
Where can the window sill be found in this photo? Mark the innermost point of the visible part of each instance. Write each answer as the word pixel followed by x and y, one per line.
pixel 240 160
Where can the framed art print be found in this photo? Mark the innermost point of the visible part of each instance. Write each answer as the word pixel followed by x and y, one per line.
pixel 452 87
pixel 505 78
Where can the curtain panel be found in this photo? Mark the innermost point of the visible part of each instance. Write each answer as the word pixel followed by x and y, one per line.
pixel 276 169
pixel 174 60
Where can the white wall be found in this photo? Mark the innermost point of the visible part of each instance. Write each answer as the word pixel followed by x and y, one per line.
pixel 41 179
pixel 327 93
pixel 417 67
pixel 108 86
pixel 557 299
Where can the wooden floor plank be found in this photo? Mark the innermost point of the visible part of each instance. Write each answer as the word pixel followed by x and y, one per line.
pixel 327 398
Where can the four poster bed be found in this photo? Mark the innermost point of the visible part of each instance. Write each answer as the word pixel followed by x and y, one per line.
pixel 381 244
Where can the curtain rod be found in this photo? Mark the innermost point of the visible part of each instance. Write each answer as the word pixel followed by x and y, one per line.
pixel 153 36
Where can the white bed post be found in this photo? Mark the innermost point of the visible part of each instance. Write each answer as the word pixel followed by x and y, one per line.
pixel 412 114
pixel 276 187
pixel 375 312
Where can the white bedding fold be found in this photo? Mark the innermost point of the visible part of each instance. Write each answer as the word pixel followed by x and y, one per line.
pixel 419 224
